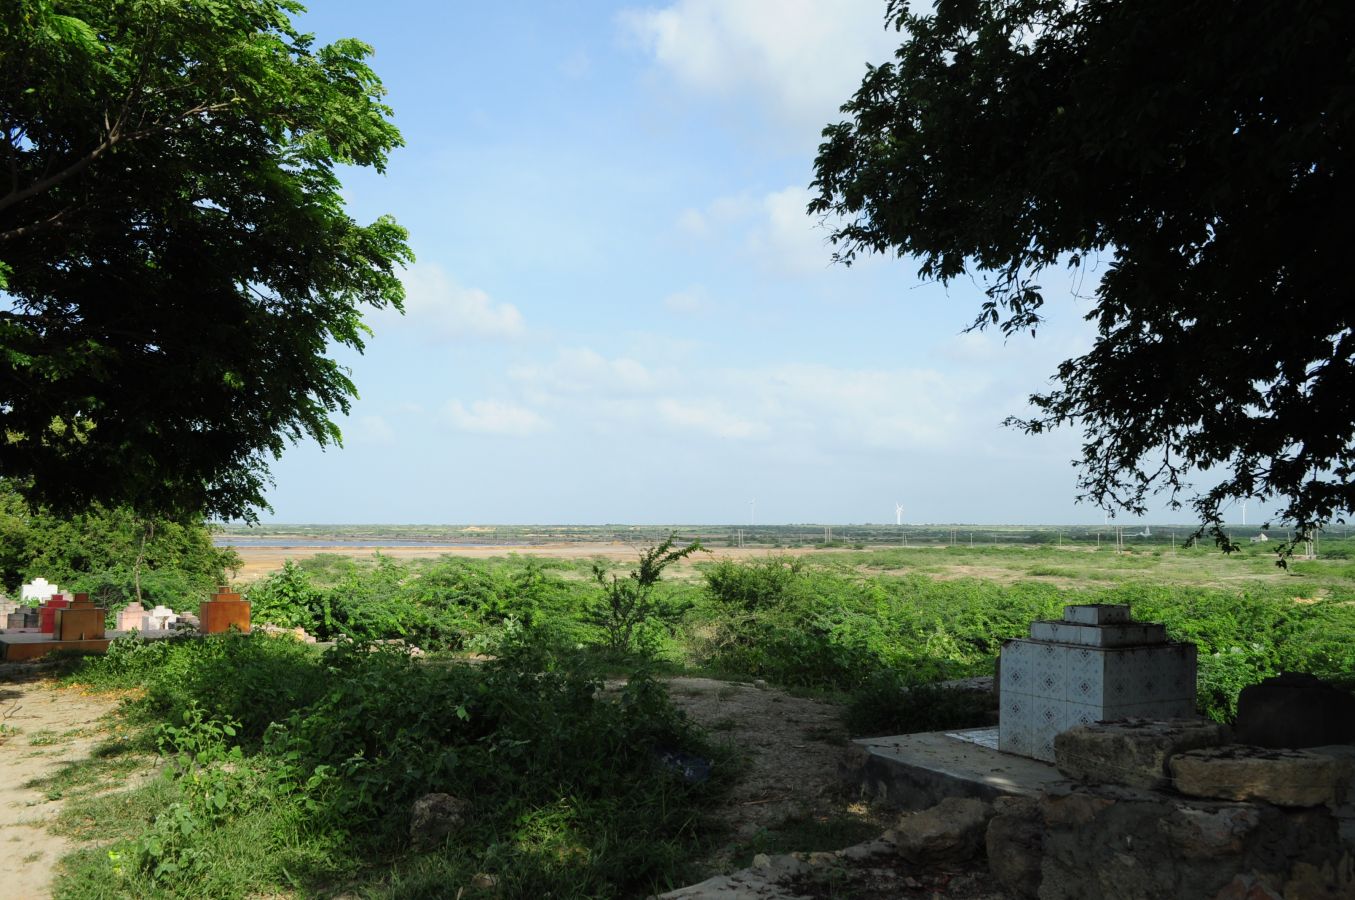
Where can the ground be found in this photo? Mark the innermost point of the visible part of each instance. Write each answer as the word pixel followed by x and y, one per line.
pixel 259 562
pixel 792 750
pixel 789 795
pixel 49 749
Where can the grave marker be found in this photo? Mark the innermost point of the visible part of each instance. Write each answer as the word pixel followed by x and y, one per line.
pixel 223 611
pixel 81 621
pixel 38 591
pixel 1095 664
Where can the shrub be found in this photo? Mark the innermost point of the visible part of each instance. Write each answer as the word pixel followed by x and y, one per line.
pixel 566 792
pixel 887 704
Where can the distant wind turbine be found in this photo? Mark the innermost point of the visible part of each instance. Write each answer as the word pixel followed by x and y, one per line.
pixel 898 513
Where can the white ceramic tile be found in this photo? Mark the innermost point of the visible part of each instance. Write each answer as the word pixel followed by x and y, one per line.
pixel 1017 673
pixel 1014 740
pixel 1017 710
pixel 1084 670
pixel 1048 714
pixel 1049 671
pixel 1075 714
pixel 1042 743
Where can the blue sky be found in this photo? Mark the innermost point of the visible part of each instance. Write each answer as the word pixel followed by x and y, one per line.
pixel 620 311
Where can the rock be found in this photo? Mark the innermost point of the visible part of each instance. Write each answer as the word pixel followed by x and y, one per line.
pixel 1211 832
pixel 433 817
pixel 1332 880
pixel 1281 777
pixel 1146 845
pixel 951 831
pixel 1249 886
pixel 763 880
pixel 867 849
pixel 1014 843
pixel 1076 808
pixel 1295 710
pixel 1133 752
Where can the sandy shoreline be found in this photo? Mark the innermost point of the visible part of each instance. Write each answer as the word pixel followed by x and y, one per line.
pixel 259 561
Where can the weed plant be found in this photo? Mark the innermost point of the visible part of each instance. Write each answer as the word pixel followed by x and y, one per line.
pixel 294 770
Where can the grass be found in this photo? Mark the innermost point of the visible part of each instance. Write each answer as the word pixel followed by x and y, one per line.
pixel 303 782
pixel 317 757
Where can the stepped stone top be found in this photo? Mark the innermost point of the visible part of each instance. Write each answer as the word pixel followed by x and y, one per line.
pixel 1096 613
pixel 1098 625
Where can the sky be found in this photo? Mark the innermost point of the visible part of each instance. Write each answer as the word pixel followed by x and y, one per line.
pixel 621 312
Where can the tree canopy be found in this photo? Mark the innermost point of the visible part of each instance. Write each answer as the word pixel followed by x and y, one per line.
pixel 1202 150
pixel 176 260
pixel 112 554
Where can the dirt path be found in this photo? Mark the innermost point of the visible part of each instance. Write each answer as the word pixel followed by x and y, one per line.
pixel 46 729
pixel 791 798
pixel 792 750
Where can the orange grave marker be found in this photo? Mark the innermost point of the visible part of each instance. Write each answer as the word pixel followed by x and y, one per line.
pixel 224 610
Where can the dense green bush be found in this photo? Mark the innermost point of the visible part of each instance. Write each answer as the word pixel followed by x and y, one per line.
pixel 888 704
pixel 321 756
pixel 833 627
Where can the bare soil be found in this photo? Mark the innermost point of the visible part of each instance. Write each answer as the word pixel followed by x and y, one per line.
pixel 47 730
pixel 792 751
pixel 258 562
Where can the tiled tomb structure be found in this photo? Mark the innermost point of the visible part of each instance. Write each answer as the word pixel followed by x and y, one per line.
pixel 1096 664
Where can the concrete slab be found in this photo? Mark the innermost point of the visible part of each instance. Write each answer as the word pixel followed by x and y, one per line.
pixel 916 771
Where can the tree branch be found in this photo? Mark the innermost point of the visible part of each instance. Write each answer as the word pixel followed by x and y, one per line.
pixel 115 136
pixel 53 221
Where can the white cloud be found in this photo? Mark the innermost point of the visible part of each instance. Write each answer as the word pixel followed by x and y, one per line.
pixel 440 309
pixel 817 408
pixel 494 417
pixel 372 430
pixel 773 229
pixel 800 58
pixel 580 370
pixel 708 416
pixel 890 409
pixel 692 301
pixel 787 237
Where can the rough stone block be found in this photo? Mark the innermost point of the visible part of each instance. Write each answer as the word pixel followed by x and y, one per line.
pixel 1134 753
pixel 1124 843
pixel 433 817
pixel 1014 843
pixel 951 831
pixel 1281 777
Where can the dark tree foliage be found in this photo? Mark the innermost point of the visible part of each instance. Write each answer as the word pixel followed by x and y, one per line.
pixel 1204 150
pixel 175 256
